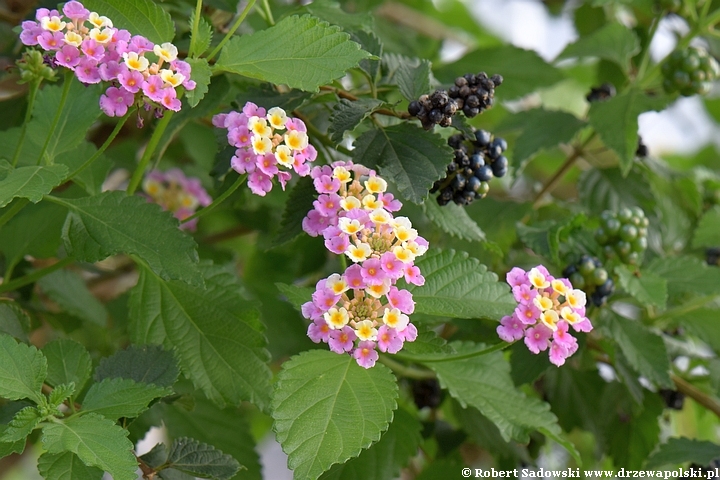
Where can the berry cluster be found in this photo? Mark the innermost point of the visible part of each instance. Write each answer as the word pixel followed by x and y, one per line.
pixel 476 161
pixel 603 92
pixel 471 93
pixel 89 45
pixel 175 192
pixel 689 71
pixel 623 234
pixel 547 308
pixel 269 144
pixel 589 275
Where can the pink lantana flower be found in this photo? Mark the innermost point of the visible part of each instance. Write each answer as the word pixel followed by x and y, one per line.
pixel 175 192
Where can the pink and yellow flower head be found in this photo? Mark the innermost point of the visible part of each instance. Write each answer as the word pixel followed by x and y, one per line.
pixel 263 138
pixel 175 192
pixel 547 307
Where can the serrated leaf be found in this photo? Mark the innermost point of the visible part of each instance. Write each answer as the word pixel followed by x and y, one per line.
pixel 9 448
pixel 66 466
pixel 546 237
pixel 484 383
pixel 682 450
pixel 34 231
pixel 30 182
pixel 91 179
pixel 217 334
pixel 607 189
pixel 267 96
pixel 370 43
pixel 630 437
pixel 114 398
pixel 294 294
pixel 201 74
pixel 613 42
pixel 299 203
pixel 201 460
pixel 384 459
pixel 523 70
pixel 22 424
pixel 68 289
pixel 616 121
pixel 96 440
pixel 643 349
pixel 112 222
pixel 540 129
pixel 457 286
pixel 347 115
pixel 405 153
pixel 68 362
pixel 148 364
pixel 203 37
pixel 707 233
pixel 141 17
pixel 22 370
pixel 13 320
pixel 332 12
pixel 703 322
pixel 300 52
pixel 327 409
pixel 685 274
pixel 413 77
pixel 60 393
pixel 454 220
pixel 647 287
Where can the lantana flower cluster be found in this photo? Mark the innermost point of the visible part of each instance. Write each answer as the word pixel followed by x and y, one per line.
pixel 175 192
pixel 362 310
pixel 89 45
pixel 547 308
pixel 269 144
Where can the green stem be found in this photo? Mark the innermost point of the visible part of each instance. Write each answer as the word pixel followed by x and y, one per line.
pixel 34 276
pixel 58 114
pixel 268 13
pixel 241 179
pixel 149 150
pixel 195 28
pixel 452 358
pixel 10 268
pixel 12 211
pixel 405 371
pixel 232 30
pixel 645 59
pixel 104 146
pixel 34 86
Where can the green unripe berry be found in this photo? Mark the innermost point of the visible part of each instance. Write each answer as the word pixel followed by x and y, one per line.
pixel 632 258
pixel 642 232
pixel 586 268
pixel 612 226
pixel 601 237
pixel 639 245
pixel 483 189
pixel 623 248
pixel 607 215
pixel 628 232
pixel 624 215
pixel 577 280
pixel 637 212
pixel 599 276
pixel 609 252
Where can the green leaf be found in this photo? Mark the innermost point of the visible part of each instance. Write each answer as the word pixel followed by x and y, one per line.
pixel 484 383
pixel 647 288
pixel 22 370
pixel 203 37
pixel 68 362
pixel 614 42
pixel 370 43
pixel 707 233
pixel 96 440
pixel 454 220
pixel 267 96
pixel 148 364
pixel 299 203
pixel 685 274
pixel 405 153
pixel 201 74
pixel 114 398
pixel 333 13
pixel 616 120
pixel 546 237
pixel 384 459
pixel 91 179
pixel 217 334
pixel 412 76
pixel 300 52
pixel 30 182
pixel 141 17
pixel 631 436
pixel 201 460
pixel 68 289
pixel 607 189
pixel 66 466
pixel 682 450
pixel 34 231
pixel 22 424
pixel 13 320
pixel 459 287
pixel 644 350
pixel 295 295
pixel 60 394
pixel 703 322
pixel 347 115
pixel 540 129
pixel 327 409
pixel 112 222
pixel 523 70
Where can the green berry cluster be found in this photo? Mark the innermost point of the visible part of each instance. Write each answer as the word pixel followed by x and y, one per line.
pixel 689 71
pixel 589 275
pixel 33 68
pixel 623 234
